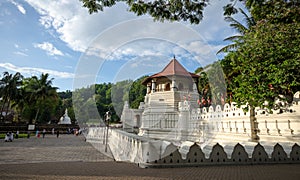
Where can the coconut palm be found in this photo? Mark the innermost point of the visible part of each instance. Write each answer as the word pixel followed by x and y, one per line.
pixel 40 89
pixel 9 89
pixel 241 29
pixel 20 102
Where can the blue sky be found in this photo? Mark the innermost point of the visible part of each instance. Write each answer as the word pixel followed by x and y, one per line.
pixel 61 38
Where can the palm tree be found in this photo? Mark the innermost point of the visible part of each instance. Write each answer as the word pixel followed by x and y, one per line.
pixel 241 29
pixel 40 89
pixel 20 102
pixel 9 88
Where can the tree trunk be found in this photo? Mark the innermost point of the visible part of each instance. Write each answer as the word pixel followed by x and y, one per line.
pixel 2 108
pixel 253 125
pixel 8 107
pixel 36 115
pixel 3 105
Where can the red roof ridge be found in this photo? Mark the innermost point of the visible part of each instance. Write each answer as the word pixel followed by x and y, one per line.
pixel 173 68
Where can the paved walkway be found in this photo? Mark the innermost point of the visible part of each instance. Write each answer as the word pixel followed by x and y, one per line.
pixel 49 149
pixel 70 157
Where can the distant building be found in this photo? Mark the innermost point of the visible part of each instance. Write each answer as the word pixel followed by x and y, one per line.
pixel 65 119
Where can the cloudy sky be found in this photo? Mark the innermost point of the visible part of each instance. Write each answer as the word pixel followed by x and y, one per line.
pixel 61 38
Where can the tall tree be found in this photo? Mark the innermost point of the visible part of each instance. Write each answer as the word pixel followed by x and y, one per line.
pixel 211 85
pixel 241 30
pixel 119 93
pixel 20 103
pixel 266 64
pixel 41 90
pixel 137 92
pixel 9 88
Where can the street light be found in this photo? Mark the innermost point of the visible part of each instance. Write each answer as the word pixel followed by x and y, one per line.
pixel 107 118
pixel 104 128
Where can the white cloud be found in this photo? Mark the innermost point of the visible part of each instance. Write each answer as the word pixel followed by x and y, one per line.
pixel 77 28
pixel 49 48
pixel 213 27
pixel 35 71
pixel 46 21
pixel 74 24
pixel 20 53
pixel 19 6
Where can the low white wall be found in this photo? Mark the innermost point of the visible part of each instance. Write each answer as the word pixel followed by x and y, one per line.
pixel 147 152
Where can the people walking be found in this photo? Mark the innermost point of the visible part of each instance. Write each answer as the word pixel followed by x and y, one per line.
pixel 57 133
pixel 28 134
pixel 44 132
pixel 37 133
pixel 17 134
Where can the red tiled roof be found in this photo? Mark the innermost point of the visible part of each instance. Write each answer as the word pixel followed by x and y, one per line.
pixel 173 68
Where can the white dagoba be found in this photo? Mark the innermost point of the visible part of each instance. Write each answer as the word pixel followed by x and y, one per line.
pixel 65 119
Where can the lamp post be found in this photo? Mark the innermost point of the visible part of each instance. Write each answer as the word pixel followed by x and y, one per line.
pixel 104 119
pixel 107 118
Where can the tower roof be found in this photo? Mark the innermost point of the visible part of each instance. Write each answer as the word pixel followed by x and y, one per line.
pixel 174 68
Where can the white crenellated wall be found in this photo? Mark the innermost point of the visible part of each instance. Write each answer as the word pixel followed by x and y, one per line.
pixel 203 136
pixel 157 153
pixel 227 122
pixel 233 121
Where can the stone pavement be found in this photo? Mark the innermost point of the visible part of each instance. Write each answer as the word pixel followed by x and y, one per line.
pixel 49 149
pixel 70 157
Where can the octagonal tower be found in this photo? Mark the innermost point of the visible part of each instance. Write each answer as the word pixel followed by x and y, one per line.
pixel 164 117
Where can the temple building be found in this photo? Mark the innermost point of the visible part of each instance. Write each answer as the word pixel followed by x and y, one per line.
pixel 162 114
pixel 170 112
pixel 170 129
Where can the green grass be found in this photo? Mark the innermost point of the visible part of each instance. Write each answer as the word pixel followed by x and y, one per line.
pixel 2 136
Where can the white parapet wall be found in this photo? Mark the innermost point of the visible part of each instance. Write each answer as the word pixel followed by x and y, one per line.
pixel 205 136
pixel 232 123
pixel 158 153
pixel 129 147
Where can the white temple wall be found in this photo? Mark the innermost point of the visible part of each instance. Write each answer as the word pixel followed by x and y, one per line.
pixel 131 118
pixel 160 118
pixel 157 153
pixel 234 124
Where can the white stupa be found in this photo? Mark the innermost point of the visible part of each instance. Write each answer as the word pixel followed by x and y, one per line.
pixel 65 119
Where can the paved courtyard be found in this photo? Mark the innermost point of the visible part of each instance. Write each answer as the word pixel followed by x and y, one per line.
pixel 70 157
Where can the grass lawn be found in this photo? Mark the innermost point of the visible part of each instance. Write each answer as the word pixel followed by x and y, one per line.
pixel 2 136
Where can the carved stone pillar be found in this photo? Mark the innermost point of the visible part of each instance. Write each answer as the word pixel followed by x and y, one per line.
pixel 153 85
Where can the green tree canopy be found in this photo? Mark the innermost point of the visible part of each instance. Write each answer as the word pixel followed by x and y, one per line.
pixel 137 92
pixel 172 10
pixel 42 96
pixel 9 90
pixel 266 64
pixel 240 28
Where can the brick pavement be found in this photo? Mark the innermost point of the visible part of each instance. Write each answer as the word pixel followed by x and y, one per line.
pixel 49 149
pixel 70 157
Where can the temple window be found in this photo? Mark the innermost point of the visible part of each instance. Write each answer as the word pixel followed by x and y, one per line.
pixel 168 87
